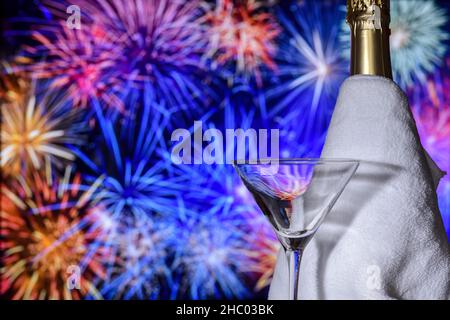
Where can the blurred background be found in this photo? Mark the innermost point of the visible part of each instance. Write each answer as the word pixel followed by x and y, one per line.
pixel 90 197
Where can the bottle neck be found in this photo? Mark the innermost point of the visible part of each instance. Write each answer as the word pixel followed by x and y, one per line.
pixel 370 51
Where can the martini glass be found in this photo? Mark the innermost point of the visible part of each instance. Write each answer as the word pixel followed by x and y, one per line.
pixel 296 195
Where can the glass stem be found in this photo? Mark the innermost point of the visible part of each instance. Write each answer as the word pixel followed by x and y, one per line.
pixel 294 258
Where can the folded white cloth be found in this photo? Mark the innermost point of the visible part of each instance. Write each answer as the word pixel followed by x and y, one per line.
pixel 384 239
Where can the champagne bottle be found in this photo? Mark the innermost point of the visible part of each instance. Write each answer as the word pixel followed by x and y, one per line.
pixel 369 23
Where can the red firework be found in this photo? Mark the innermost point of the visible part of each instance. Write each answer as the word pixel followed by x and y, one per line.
pixel 241 33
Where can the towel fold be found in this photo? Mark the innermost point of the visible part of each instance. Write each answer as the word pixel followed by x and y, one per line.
pixel 384 239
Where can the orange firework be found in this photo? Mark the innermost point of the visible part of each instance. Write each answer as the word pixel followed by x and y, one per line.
pixel 51 243
pixel 13 87
pixel 241 32
pixel 264 256
pixel 34 129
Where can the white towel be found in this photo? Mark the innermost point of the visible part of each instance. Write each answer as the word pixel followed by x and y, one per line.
pixel 384 239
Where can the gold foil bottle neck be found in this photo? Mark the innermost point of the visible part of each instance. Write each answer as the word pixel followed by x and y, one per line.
pixel 368 14
pixel 369 23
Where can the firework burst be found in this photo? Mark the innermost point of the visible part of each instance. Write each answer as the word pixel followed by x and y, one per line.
pixel 124 44
pixel 310 68
pixel 48 226
pixel 211 253
pixel 265 255
pixel 79 61
pixel 431 111
pixel 14 87
pixel 141 249
pixel 444 201
pixel 162 42
pixel 36 127
pixel 295 143
pixel 219 181
pixel 240 32
pixel 434 129
pixel 432 114
pixel 417 39
pixel 214 254
pixel 136 181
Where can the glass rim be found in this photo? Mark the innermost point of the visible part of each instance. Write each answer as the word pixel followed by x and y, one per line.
pixel 268 161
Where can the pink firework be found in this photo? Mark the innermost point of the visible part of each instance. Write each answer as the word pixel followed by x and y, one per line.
pixel 151 30
pixel 242 33
pixel 161 45
pixel 444 201
pixel 78 60
pixel 154 45
pixel 432 116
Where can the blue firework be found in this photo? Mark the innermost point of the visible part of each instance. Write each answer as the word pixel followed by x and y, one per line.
pixel 220 181
pixel 211 252
pixel 444 201
pixel 418 39
pixel 162 42
pixel 216 218
pixel 136 180
pixel 140 269
pixel 310 67
pixel 295 143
